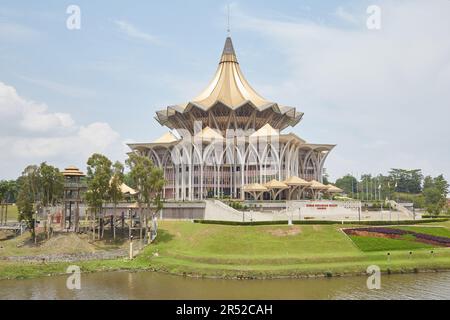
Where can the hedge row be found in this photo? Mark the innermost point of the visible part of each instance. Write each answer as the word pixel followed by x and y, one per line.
pixel 306 222
pixel 427 216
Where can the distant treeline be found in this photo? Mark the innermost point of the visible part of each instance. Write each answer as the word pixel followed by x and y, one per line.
pixel 400 185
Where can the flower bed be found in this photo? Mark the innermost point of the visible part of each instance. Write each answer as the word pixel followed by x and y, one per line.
pixel 398 234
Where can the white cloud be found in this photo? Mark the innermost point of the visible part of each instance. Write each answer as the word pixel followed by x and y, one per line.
pixel 344 15
pixel 133 32
pixel 30 133
pixel 382 96
pixel 22 116
pixel 70 91
pixel 15 32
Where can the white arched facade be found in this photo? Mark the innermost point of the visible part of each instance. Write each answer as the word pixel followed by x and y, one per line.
pixel 218 169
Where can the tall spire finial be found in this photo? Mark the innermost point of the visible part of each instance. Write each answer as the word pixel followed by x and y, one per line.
pixel 228 26
pixel 228 54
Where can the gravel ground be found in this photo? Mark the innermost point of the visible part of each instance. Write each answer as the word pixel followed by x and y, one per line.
pixel 101 255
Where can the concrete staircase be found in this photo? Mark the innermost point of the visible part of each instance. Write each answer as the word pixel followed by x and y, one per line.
pixel 217 210
pixel 406 214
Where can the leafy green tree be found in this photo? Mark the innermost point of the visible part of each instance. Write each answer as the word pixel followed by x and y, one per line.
pixel 326 179
pixel 349 184
pixel 29 196
pixel 115 191
pixel 435 192
pixel 128 180
pixel 99 175
pixel 51 184
pixel 149 182
pixel 25 204
pixel 407 181
pixel 8 191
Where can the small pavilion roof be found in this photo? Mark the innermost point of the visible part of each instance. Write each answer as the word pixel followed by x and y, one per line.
pixel 255 187
pixel 127 190
pixel 73 171
pixel 275 184
pixel 296 181
pixel 317 185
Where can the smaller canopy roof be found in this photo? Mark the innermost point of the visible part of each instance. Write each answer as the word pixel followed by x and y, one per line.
pixel 169 137
pixel 275 184
pixel 334 189
pixel 317 185
pixel 255 187
pixel 209 134
pixel 266 131
pixel 296 181
pixel 73 171
pixel 127 190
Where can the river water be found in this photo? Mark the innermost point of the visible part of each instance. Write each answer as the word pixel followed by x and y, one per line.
pixel 149 285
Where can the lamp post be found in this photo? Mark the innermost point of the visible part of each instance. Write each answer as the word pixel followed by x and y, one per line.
pixel 131 248
pixel 34 226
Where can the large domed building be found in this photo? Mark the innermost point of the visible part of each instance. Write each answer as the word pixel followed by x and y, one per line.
pixel 229 142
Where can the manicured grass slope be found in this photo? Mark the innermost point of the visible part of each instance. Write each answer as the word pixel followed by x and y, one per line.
pixel 257 251
pixel 281 250
pixel 257 242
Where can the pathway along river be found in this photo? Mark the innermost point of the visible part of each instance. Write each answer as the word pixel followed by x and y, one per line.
pixel 149 285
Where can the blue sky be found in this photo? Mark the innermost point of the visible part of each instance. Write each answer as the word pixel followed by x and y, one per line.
pixel 380 95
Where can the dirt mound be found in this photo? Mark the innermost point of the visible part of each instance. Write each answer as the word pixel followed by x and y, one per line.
pixel 293 231
pixel 69 243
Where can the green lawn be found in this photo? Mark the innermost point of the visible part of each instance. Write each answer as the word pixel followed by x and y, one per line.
pixel 370 244
pixel 255 251
pixel 12 213
pixel 193 240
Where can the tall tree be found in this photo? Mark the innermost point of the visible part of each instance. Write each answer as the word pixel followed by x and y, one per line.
pixel 29 196
pixel 128 180
pixel 407 181
pixel 8 191
pixel 99 175
pixel 435 192
pixel 51 184
pixel 115 191
pixel 149 182
pixel 349 184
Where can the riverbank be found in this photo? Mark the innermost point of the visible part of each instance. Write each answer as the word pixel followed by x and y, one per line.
pixel 251 252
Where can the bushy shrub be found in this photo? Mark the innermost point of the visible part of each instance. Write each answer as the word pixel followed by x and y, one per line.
pixel 417 199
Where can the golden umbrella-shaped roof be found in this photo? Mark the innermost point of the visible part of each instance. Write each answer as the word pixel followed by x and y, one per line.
pixel 317 185
pixel 229 85
pixel 296 181
pixel 275 184
pixel 334 189
pixel 255 187
pixel 230 89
